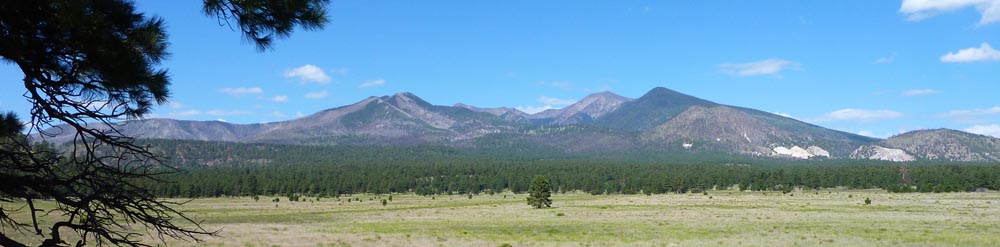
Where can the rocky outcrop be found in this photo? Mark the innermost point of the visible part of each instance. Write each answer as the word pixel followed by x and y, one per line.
pixel 876 152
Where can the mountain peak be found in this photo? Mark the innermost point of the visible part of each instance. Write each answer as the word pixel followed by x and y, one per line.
pixel 585 110
pixel 607 95
pixel 654 108
pixel 402 98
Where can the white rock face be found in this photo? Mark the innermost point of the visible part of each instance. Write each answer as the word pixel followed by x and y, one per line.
pixel 795 151
pixel 818 151
pixel 798 152
pixel 876 152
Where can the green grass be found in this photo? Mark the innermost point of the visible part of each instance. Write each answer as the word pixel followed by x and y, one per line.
pixel 728 218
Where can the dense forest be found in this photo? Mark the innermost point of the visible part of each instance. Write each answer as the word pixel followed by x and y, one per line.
pixel 212 169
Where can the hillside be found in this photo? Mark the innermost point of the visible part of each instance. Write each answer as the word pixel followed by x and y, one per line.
pixel 661 122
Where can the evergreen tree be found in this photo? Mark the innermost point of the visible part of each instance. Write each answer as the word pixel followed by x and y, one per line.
pixel 540 193
pixel 87 65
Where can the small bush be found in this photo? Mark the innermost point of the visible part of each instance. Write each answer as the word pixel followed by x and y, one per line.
pixel 560 214
pixel 868 201
pixel 505 245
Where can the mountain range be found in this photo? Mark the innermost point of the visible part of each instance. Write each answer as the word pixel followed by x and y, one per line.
pixel 662 121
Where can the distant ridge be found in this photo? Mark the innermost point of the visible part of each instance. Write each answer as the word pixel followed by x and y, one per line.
pixel 662 121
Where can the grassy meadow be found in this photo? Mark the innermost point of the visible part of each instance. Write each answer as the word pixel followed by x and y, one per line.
pixel 721 218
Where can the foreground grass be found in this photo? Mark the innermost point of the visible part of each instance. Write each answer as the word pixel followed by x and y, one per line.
pixel 723 218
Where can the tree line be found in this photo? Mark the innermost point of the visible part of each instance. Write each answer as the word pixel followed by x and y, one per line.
pixel 331 171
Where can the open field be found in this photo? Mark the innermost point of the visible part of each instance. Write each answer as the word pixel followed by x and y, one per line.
pixel 724 218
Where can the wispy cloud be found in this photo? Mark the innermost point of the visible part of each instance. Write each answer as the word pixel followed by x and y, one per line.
pixel 916 10
pixel 308 73
pixel 762 67
pixel 860 115
pixel 974 112
pixel 990 130
pixel 971 116
pixel 217 112
pixel 783 114
pixel 869 133
pixel 533 109
pixel 885 60
pixel 866 133
pixel 983 53
pixel 237 91
pixel 176 105
pixel 915 92
pixel 889 59
pixel 372 83
pixel 280 98
pixel 554 101
pixel 317 95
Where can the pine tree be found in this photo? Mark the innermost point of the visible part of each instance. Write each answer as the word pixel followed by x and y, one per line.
pixel 540 193
pixel 87 65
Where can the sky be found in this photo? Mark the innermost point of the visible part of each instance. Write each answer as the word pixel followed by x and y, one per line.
pixel 876 68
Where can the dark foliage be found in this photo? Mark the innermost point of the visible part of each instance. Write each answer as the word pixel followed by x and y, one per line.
pixel 540 193
pixel 428 170
pixel 88 65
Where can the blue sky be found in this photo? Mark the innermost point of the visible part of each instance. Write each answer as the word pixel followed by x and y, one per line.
pixel 870 67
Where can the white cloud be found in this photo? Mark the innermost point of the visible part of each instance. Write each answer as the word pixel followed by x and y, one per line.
pixel 280 98
pixel 763 67
pixel 308 73
pixel 176 105
pixel 859 115
pixel 299 114
pixel 237 91
pixel 783 114
pixel 921 9
pixel 191 113
pixel 372 83
pixel 990 130
pixel 554 101
pixel 872 134
pixel 984 53
pixel 915 92
pixel 888 59
pixel 317 95
pixel 973 112
pixel 533 109
pixel 221 120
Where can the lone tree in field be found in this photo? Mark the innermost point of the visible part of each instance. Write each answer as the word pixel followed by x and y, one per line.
pixel 540 192
pixel 88 65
